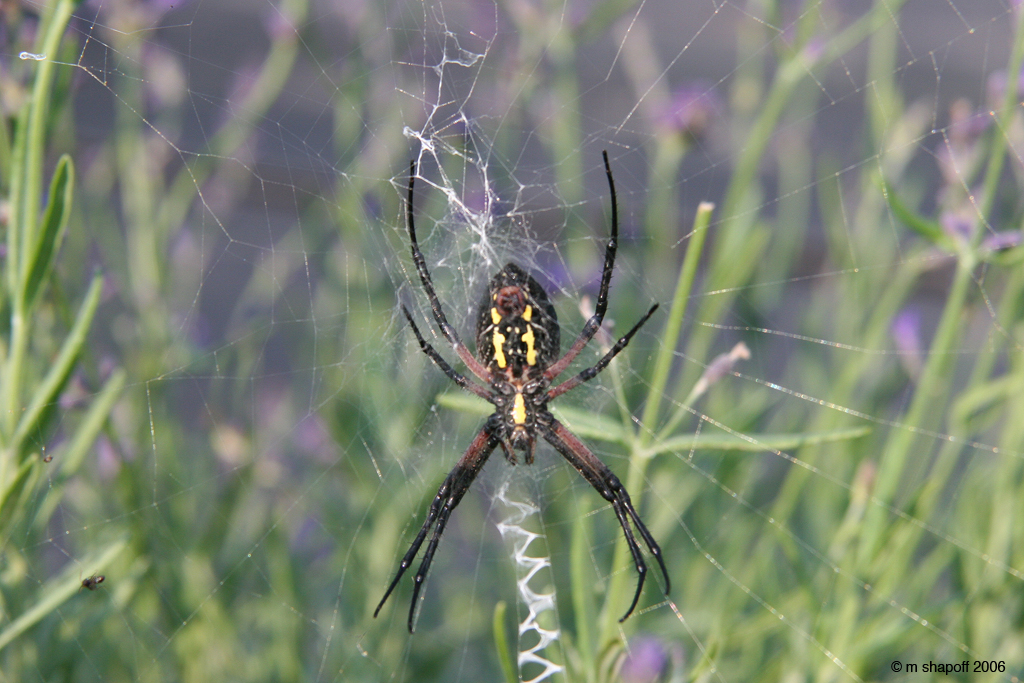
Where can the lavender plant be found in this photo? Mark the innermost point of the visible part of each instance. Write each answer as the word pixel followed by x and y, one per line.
pixel 821 427
pixel 36 367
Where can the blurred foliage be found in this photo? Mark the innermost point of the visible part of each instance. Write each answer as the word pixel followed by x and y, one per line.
pixel 244 436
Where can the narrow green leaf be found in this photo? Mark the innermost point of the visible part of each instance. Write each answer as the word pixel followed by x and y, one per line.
pixel 930 230
pixel 983 396
pixel 94 419
pixel 464 403
pixel 10 496
pixel 724 441
pixel 61 368
pixel 47 43
pixel 581 571
pixel 16 224
pixel 603 428
pixel 70 458
pixel 54 227
pixel 501 643
pixel 54 593
pixel 591 425
pixel 6 155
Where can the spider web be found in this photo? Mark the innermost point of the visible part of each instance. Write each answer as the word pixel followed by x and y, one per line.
pixel 242 173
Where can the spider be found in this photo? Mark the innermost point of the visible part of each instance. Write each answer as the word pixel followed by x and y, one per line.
pixel 517 342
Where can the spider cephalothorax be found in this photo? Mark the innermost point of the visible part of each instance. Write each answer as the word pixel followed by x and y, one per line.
pixel 517 347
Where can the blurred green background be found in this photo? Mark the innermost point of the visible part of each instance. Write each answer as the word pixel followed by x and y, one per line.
pixel 211 399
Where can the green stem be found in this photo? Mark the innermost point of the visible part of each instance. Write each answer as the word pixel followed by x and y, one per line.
pixel 997 154
pixel 56 592
pixel 731 263
pixel 673 326
pixel 60 367
pixel 662 214
pixel 39 106
pixel 27 205
pixel 959 418
pixel 925 405
pixel 640 455
pixel 935 375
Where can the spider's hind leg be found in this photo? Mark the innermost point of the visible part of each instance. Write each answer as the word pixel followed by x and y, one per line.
pixel 612 490
pixel 447 499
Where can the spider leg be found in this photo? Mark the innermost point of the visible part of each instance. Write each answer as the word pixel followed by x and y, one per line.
pixel 612 490
pixel 453 374
pixel 590 373
pixel 435 304
pixel 592 326
pixel 510 453
pixel 447 499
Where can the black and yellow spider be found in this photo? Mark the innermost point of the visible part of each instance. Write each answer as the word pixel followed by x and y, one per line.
pixel 517 346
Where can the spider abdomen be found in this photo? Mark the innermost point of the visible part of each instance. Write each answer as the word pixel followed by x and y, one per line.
pixel 517 333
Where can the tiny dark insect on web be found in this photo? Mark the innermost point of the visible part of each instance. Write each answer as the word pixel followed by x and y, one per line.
pixel 518 347
pixel 93 582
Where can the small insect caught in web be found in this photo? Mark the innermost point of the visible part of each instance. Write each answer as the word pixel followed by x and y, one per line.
pixel 92 583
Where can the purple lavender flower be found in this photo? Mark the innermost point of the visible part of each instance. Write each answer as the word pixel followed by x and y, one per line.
pixel 960 146
pixel 995 87
pixel 646 662
pixel 906 335
pixel 814 49
pixel 691 110
pixel 108 462
pixel 1002 240
pixel 956 225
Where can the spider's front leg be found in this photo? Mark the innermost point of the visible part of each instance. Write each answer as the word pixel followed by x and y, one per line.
pixel 447 499
pixel 428 285
pixel 592 372
pixel 452 374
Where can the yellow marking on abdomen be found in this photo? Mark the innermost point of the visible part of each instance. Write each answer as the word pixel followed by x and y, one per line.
pixel 528 313
pixel 531 353
pixel 519 409
pixel 499 352
pixel 495 316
